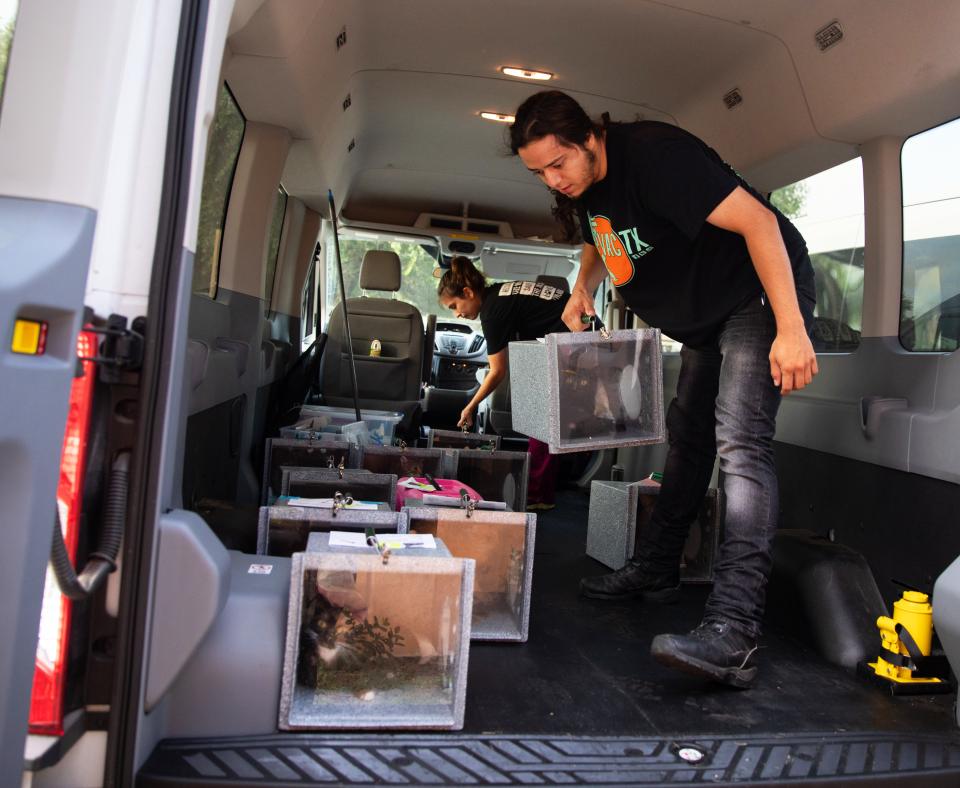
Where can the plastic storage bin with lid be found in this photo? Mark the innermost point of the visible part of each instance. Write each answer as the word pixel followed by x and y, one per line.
pixel 328 421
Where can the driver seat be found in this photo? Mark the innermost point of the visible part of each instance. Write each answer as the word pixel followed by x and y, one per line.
pixel 393 380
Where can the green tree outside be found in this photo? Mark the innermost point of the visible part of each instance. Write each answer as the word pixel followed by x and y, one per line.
pixel 226 135
pixel 6 38
pixel 790 200
pixel 418 285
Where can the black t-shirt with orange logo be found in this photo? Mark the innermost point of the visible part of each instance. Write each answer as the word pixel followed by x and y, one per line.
pixel 520 310
pixel 647 219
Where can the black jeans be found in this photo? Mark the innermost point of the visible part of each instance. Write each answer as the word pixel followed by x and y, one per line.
pixel 726 405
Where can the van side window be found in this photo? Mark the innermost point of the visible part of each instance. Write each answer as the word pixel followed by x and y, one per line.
pixel 930 298
pixel 222 154
pixel 308 302
pixel 827 208
pixel 273 243
pixel 8 19
pixel 418 259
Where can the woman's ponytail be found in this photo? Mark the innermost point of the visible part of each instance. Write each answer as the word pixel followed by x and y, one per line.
pixel 461 273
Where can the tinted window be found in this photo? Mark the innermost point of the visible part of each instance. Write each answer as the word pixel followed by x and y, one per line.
pixel 225 139
pixel 930 300
pixel 308 316
pixel 827 208
pixel 273 242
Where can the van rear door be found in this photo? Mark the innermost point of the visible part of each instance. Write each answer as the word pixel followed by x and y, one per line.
pixel 87 205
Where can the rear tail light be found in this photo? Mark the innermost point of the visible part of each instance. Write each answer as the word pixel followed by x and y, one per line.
pixel 46 703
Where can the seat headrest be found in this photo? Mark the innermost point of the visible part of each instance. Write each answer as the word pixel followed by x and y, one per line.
pixel 380 270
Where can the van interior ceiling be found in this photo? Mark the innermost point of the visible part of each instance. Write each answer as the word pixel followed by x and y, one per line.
pixel 346 164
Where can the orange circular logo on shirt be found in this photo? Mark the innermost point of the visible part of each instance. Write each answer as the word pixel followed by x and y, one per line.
pixel 611 249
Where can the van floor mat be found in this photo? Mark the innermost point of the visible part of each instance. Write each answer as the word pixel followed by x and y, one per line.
pixel 582 701
pixel 454 759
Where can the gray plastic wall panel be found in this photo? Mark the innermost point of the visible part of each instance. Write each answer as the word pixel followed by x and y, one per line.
pixel 232 353
pixel 229 328
pixel 920 437
pixel 44 260
pixel 231 685
pixel 191 580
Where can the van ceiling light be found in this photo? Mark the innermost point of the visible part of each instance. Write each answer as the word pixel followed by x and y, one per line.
pixel 497 117
pixel 523 73
pixel 732 98
pixel 829 35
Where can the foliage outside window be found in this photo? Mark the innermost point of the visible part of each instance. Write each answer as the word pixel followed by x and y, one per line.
pixel 8 19
pixel 827 208
pixel 418 260
pixel 222 154
pixel 273 243
pixel 930 298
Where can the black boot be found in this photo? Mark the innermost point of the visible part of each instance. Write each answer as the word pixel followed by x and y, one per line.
pixel 714 650
pixel 631 581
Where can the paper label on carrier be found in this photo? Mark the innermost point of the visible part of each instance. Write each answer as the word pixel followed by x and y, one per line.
pixel 445 500
pixel 347 539
pixel 391 541
pixel 327 503
pixel 400 541
pixel 260 569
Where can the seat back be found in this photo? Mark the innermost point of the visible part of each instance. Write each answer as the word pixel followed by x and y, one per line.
pixel 392 378
pixel 429 337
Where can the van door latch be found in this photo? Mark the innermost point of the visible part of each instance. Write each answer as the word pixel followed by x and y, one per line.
pixel 121 349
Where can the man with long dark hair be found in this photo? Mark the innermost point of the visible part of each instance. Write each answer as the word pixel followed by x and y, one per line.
pixel 695 251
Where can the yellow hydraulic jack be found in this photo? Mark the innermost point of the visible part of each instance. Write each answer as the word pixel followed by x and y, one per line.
pixel 905 660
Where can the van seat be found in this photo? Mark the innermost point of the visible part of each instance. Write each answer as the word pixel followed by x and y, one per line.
pixel 393 379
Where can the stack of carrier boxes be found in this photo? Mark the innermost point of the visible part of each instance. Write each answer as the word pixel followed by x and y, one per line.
pixel 387 592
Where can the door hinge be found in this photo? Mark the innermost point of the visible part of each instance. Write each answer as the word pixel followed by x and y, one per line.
pixel 121 349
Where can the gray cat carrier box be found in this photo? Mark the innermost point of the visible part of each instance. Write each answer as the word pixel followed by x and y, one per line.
pixel 295 453
pixel 284 530
pixel 375 645
pixel 619 513
pixel 456 439
pixel 495 475
pixel 404 461
pixel 502 544
pixel 589 390
pixel 359 484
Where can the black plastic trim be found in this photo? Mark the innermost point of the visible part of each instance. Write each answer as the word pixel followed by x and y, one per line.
pixel 74 726
pixel 819 759
pixel 163 305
